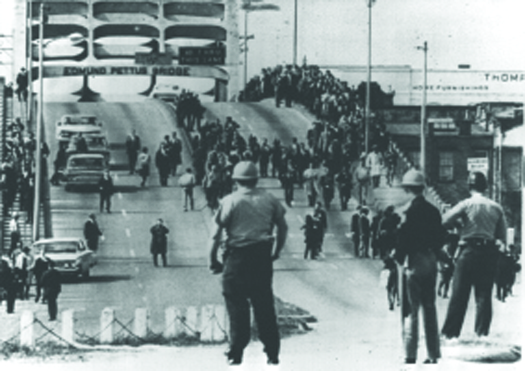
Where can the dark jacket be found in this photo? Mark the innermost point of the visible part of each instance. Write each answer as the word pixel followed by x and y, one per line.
pixel 91 230
pixel 41 265
pixel 159 240
pixel 421 231
pixel 51 282
pixel 105 186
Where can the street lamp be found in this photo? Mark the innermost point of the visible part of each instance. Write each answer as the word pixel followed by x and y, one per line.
pixel 248 6
pixel 38 155
pixel 368 73
pixel 422 158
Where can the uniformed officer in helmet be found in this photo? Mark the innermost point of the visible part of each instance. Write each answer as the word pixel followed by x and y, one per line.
pixel 248 216
pixel 421 237
pixel 481 223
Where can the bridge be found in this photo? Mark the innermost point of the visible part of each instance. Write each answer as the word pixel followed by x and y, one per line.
pixel 197 38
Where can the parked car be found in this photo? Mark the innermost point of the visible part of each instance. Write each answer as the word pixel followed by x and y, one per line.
pixel 70 255
pixel 70 125
pixel 84 169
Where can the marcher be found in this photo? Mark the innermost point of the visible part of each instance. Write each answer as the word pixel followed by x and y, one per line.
pixel 388 226
pixel 159 242
pixel 483 223
pixel 175 153
pixel 7 282
pixel 22 83
pixel 23 262
pixel 143 165
pixel 248 216
pixel 106 190
pixel 52 285
pixel 355 231
pixel 163 164
pixel 92 232
pixel 322 221
pixel 362 176
pixel 344 188
pixel 14 230
pixel 421 237
pixel 364 233
pixel 287 182
pixel 39 266
pixel 374 163
pixel 311 237
pixel 132 150
pixel 187 182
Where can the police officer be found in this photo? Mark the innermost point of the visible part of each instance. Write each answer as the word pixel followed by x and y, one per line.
pixel 106 189
pixel 52 285
pixel 248 216
pixel 421 237
pixel 482 223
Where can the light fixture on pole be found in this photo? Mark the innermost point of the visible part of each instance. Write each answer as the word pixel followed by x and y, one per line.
pixel 40 112
pixel 295 34
pixel 368 74
pixel 247 6
pixel 422 159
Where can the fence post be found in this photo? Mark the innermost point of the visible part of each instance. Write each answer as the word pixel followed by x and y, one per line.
pixel 26 329
pixel 170 319
pixel 192 327
pixel 106 325
pixel 207 323
pixel 140 324
pixel 220 324
pixel 68 320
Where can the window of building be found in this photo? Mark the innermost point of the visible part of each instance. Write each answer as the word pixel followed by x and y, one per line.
pixel 446 166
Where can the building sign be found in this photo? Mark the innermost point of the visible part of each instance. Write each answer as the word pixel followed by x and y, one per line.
pixel 202 55
pixel 150 59
pixel 480 164
pixel 159 70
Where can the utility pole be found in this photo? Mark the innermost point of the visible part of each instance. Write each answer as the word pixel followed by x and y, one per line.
pixel 29 63
pixel 295 34
pixel 40 113
pixel 368 74
pixel 422 162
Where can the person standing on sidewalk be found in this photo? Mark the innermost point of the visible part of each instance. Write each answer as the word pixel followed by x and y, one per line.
pixel 92 232
pixel 421 237
pixel 8 283
pixel 187 182
pixel 159 242
pixel 482 224
pixel 39 266
pixel 52 285
pixel 248 216
pixel 106 189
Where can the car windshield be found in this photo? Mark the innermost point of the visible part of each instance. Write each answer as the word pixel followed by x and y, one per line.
pixel 96 142
pixel 60 247
pixel 82 120
pixel 88 163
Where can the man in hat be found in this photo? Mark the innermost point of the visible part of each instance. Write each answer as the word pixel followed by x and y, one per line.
pixel 52 285
pixel 421 237
pixel 248 216
pixel 92 232
pixel 482 225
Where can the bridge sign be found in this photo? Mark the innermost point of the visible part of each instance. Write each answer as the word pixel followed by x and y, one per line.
pixel 194 55
pixel 150 59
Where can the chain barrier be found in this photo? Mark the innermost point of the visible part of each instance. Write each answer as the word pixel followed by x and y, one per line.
pixel 52 332
pixel 124 327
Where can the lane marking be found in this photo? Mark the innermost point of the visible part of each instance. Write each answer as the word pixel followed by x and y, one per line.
pixel 119 195
pixel 137 269
pixel 132 253
pixel 128 232
pixel 115 176
pixel 124 213
pixel 333 266
pixel 300 218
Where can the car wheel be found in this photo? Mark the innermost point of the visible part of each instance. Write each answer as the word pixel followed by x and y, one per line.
pixel 68 187
pixel 85 273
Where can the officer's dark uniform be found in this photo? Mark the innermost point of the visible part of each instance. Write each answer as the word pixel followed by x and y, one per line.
pixel 106 189
pixel 51 282
pixel 248 217
pixel 483 222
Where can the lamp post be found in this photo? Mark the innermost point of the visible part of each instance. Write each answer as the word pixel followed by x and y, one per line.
pixel 295 34
pixel 422 158
pixel 38 155
pixel 29 63
pixel 368 74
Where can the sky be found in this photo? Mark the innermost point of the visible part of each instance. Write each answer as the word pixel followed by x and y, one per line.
pixel 486 34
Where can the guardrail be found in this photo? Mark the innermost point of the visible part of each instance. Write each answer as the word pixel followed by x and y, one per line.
pixel 205 324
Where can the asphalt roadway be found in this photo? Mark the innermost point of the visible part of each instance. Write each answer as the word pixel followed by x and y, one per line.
pixel 355 329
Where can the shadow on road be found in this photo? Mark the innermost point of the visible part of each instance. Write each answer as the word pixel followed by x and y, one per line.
pixel 104 278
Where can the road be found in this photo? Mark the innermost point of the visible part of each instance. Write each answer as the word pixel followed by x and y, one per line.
pixel 341 291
